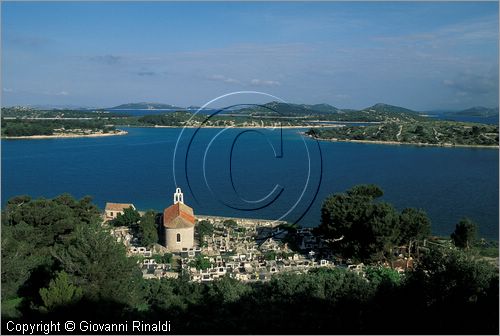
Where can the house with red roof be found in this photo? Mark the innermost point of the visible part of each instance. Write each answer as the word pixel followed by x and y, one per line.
pixel 113 209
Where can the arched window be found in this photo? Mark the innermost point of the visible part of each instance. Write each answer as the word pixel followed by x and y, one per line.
pixel 178 237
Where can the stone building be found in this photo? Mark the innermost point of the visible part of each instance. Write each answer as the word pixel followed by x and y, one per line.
pixel 113 209
pixel 178 224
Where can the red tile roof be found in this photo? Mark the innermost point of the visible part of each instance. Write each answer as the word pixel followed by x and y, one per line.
pixel 118 206
pixel 178 216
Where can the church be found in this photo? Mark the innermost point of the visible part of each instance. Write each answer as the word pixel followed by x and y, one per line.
pixel 178 224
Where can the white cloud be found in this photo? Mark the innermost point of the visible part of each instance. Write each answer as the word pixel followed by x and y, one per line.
pixel 224 79
pixel 107 59
pixel 260 82
pixel 52 93
pixel 463 33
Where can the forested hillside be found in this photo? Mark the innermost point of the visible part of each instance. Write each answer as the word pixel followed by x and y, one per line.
pixel 59 263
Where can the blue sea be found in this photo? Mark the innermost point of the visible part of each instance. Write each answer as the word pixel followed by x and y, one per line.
pixel 268 173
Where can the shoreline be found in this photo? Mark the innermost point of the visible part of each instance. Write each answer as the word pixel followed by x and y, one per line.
pixel 63 136
pixel 121 132
pixel 419 144
pixel 161 126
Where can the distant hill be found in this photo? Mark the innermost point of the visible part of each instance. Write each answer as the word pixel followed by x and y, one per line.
pixel 145 106
pixel 289 109
pixel 477 111
pixel 325 108
pixel 377 112
pixel 386 108
pixel 61 107
pixel 384 112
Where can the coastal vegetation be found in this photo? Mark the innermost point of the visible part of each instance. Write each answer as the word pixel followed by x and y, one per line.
pixel 181 119
pixel 17 127
pixel 148 231
pixel 275 113
pixel 59 262
pixel 204 228
pixel 144 227
pixel 367 230
pixel 390 124
pixel 376 113
pixel 31 113
pixel 130 217
pixel 422 132
pixel 464 234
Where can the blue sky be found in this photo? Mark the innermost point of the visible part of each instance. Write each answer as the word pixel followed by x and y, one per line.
pixel 426 55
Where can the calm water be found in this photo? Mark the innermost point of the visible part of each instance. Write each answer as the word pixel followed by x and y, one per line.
pixel 449 183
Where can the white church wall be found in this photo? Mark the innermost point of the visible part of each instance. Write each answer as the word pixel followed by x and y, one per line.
pixel 186 239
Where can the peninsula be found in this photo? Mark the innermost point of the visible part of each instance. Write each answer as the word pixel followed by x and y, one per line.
pixel 380 123
pixel 69 134
pixel 422 133
pixel 46 128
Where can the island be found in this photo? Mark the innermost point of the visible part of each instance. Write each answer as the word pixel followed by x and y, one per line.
pixel 424 133
pixel 380 123
pixel 145 106
pixel 477 111
pixel 35 127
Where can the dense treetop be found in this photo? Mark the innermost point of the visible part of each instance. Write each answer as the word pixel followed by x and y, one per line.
pixel 17 127
pixel 366 229
pixel 59 262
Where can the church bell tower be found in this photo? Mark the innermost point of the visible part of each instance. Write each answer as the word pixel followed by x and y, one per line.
pixel 178 196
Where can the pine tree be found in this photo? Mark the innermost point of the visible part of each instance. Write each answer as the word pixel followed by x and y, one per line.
pixel 60 292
